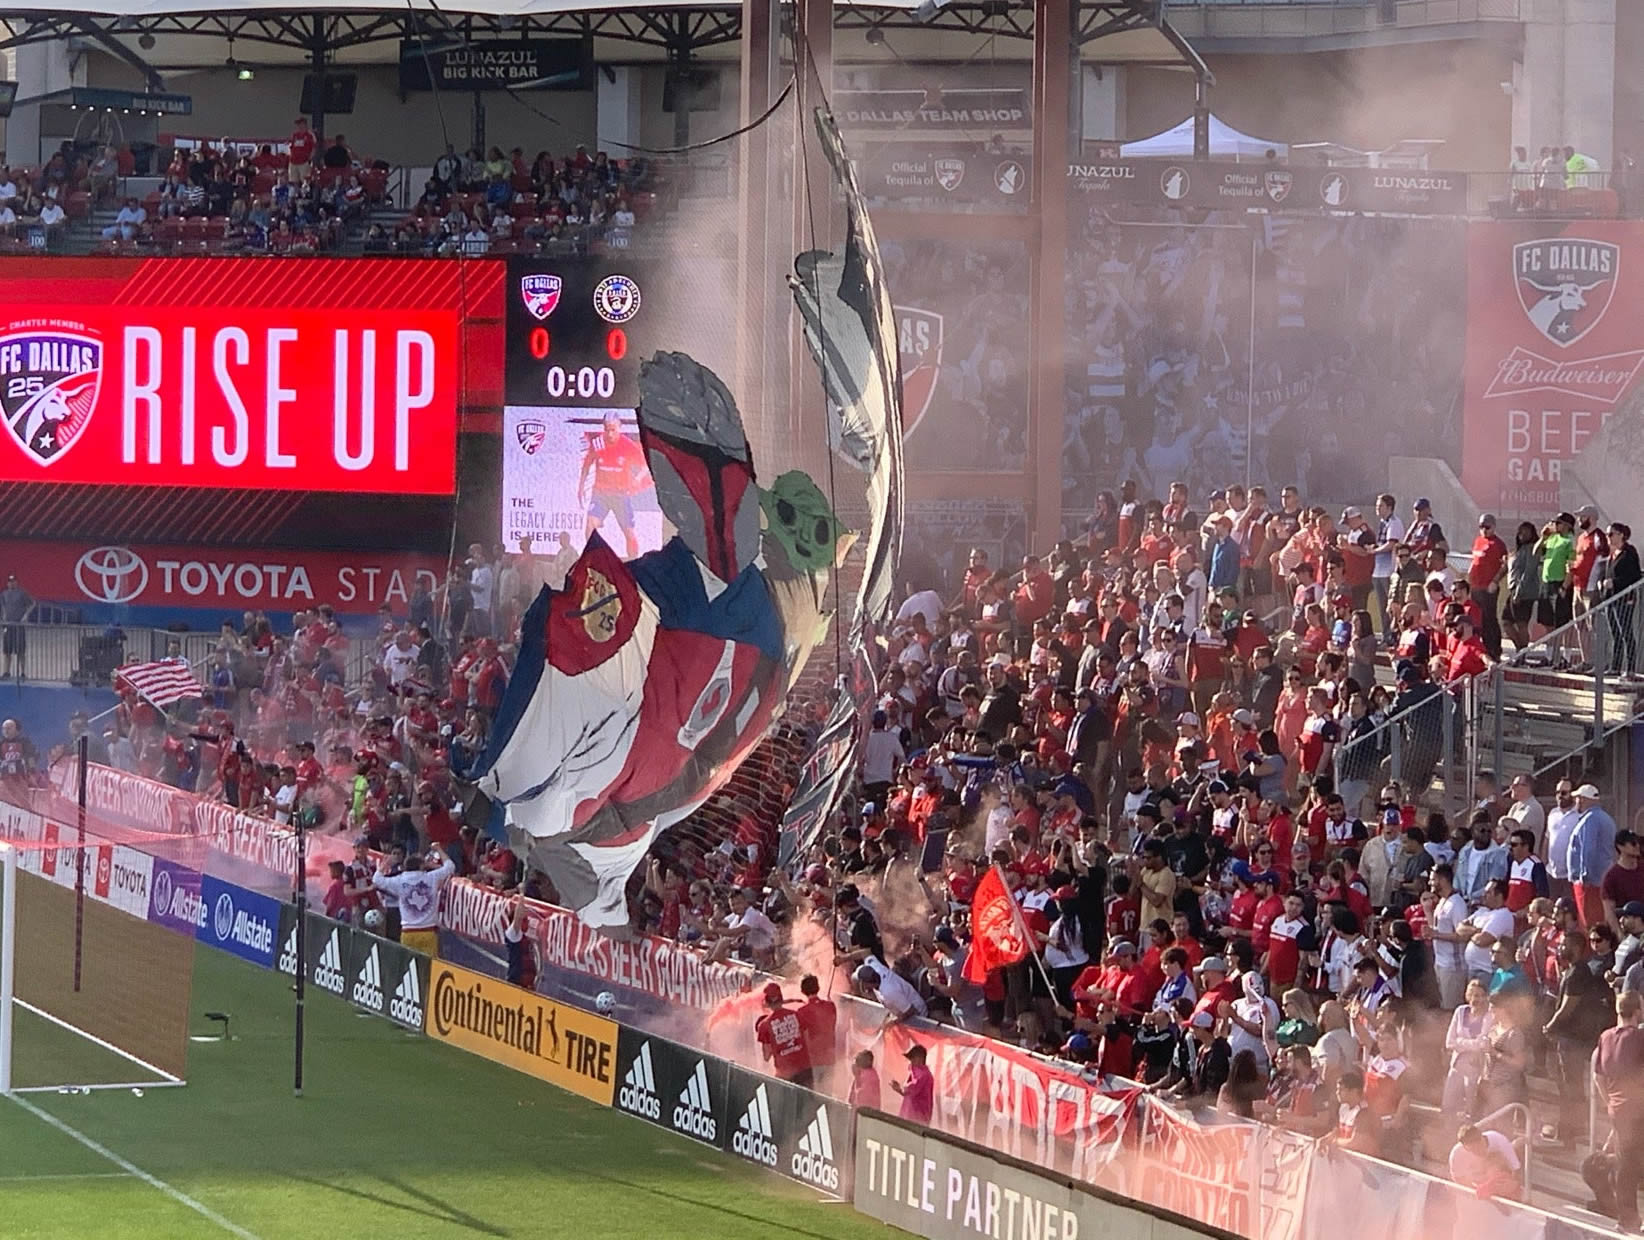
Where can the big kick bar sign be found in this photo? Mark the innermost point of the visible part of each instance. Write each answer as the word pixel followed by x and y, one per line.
pixel 1551 336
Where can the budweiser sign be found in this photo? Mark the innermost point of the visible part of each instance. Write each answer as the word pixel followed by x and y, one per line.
pixel 1551 350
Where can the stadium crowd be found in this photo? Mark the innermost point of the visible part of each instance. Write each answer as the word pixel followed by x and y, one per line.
pixel 302 196
pixel 1164 742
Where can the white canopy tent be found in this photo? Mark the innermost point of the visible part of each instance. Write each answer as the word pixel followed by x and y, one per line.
pixel 1225 143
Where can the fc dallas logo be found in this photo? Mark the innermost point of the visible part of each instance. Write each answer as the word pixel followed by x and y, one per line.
pixel 49 378
pixel 919 341
pixel 1565 284
pixel 540 293
pixel 531 435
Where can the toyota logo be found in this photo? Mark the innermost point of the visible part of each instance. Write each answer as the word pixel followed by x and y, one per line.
pixel 111 574
pixel 222 918
pixel 162 892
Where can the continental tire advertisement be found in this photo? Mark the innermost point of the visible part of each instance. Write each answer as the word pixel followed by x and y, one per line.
pixel 520 1029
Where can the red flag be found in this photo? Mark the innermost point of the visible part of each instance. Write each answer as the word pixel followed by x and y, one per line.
pixel 997 934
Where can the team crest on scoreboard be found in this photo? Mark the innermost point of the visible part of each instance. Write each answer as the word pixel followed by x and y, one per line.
pixel 49 380
pixel 919 343
pixel 616 299
pixel 1565 284
pixel 530 436
pixel 540 293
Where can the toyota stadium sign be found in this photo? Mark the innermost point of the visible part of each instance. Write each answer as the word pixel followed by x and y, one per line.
pixel 174 578
pixel 335 376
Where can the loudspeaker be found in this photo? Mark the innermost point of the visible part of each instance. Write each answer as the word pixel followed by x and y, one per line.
pixel 337 99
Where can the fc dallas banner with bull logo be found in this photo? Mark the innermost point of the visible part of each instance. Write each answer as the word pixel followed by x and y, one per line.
pixel 1552 344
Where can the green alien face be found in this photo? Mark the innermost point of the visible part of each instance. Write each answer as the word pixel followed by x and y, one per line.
pixel 800 519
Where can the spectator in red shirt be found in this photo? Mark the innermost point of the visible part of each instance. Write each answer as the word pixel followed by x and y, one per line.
pixel 303 144
pixel 1485 572
pixel 781 1038
pixel 1269 907
pixel 1035 592
pixel 1467 656
pixel 819 1020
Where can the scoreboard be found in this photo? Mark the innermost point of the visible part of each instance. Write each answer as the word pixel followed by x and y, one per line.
pixel 577 329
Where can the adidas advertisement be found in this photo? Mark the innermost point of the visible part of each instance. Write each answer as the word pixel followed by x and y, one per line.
pixel 328 944
pixel 820 1154
pixel 409 979
pixel 366 990
pixel 761 1113
pixel 672 1086
pixel 285 959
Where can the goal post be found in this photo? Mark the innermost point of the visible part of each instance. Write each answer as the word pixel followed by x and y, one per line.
pixel 94 992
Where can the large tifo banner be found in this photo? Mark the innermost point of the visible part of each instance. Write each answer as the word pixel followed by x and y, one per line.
pixel 1552 347
pixel 314 375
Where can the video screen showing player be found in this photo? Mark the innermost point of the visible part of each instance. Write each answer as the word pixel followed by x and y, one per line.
pixel 568 472
pixel 615 464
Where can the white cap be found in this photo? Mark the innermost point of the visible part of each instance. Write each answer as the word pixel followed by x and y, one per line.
pixel 1587 791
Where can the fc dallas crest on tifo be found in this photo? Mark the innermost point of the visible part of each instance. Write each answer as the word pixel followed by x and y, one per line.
pixel 919 341
pixel 49 376
pixel 1565 284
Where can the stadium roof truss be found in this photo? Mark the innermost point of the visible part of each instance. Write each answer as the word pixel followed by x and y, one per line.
pixel 1132 31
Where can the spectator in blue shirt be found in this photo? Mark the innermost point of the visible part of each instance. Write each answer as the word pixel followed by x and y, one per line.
pixel 1223 554
pixel 1480 860
pixel 1591 851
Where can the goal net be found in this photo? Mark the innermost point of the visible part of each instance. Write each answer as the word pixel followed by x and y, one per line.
pixel 93 994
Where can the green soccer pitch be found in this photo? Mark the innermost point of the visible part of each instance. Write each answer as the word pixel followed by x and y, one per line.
pixel 396 1136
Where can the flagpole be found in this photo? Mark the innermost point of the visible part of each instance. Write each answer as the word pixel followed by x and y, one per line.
pixel 1027 934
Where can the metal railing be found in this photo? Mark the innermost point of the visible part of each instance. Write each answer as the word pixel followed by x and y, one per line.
pixel 1603 645
pixel 86 655
pixel 1406 756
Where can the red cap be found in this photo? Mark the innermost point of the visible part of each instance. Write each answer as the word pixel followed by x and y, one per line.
pixel 773 992
pixel 1069 892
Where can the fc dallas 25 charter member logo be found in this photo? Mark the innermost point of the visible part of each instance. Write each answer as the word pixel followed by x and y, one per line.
pixel 50 374
pixel 540 293
pixel 1565 284
pixel 919 341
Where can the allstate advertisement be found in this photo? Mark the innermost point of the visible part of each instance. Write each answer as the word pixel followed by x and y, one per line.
pixel 174 898
pixel 243 923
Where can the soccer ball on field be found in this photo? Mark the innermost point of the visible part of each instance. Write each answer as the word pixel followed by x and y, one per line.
pixel 373 919
pixel 605 1003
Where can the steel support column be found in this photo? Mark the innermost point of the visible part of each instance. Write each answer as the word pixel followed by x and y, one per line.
pixel 812 217
pixel 1053 68
pixel 756 174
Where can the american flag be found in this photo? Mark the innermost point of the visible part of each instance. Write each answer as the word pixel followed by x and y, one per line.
pixel 162 682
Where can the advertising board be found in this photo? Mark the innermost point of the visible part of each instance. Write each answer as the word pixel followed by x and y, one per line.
pixel 240 922
pixel 520 1029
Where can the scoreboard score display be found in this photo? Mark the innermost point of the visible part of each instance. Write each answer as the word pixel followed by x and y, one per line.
pixel 571 460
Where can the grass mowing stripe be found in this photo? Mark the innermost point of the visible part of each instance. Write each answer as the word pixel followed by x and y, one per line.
pixel 132 1169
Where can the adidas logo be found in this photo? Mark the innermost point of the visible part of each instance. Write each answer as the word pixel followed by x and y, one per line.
pixel 752 1138
pixel 367 990
pixel 328 973
pixel 406 1005
pixel 695 1112
pixel 287 963
pixel 638 1092
pixel 813 1160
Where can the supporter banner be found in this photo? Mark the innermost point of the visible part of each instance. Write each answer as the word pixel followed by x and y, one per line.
pixel 957 172
pixel 232 578
pixel 962 335
pixel 1551 349
pixel 386 979
pixel 672 1086
pixel 174 898
pixel 1244 1178
pixel 497 64
pixel 325 375
pixel 519 1029
pixel 124 800
pixel 940 1188
pixel 1270 187
pixel 240 922
pixel 1005 1099
pixel 654 966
